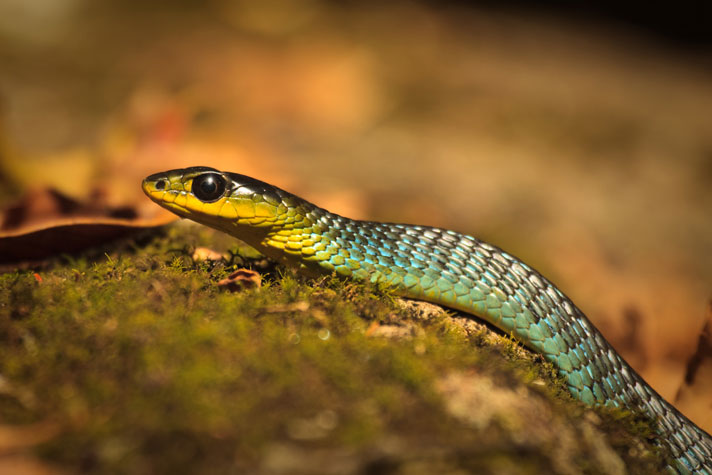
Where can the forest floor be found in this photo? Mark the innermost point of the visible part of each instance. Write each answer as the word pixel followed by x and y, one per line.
pixel 138 361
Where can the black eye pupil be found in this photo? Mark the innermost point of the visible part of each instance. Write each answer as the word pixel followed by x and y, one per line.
pixel 161 184
pixel 208 187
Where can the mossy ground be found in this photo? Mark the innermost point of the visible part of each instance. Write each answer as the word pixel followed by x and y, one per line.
pixel 141 364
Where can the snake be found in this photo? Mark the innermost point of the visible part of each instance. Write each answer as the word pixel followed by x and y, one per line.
pixel 440 266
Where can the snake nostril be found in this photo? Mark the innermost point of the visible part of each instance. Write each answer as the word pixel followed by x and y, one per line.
pixel 161 185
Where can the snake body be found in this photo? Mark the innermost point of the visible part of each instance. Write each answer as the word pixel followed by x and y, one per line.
pixel 436 265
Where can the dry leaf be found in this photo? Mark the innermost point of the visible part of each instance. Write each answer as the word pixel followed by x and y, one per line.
pixel 241 279
pixel 46 222
pixel 695 394
pixel 202 254
pixel 26 465
pixel 17 437
pixel 703 354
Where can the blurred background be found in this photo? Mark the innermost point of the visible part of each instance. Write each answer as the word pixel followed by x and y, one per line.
pixel 577 138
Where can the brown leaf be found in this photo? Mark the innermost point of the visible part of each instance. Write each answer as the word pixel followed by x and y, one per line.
pixel 46 222
pixel 241 279
pixel 202 254
pixel 694 397
pixel 703 353
pixel 26 465
pixel 17 437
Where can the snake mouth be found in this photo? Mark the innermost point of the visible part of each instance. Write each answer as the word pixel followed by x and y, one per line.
pixel 157 188
pixel 175 208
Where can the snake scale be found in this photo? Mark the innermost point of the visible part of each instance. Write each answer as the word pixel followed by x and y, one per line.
pixel 440 266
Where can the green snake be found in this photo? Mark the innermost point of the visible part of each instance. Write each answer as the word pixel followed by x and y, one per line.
pixel 436 265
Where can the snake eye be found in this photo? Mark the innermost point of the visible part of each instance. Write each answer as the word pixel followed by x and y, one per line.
pixel 208 187
pixel 161 185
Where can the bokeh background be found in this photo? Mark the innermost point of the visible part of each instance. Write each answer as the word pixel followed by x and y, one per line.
pixel 579 139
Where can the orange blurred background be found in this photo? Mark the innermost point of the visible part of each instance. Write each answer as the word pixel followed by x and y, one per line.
pixel 584 147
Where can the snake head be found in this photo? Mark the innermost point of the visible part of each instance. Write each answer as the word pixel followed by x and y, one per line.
pixel 222 200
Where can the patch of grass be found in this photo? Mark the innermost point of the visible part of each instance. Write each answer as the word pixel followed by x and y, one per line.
pixel 147 366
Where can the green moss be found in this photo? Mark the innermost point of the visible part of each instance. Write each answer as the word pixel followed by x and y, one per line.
pixel 147 366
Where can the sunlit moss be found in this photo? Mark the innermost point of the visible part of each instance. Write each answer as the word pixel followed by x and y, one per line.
pixel 148 366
